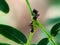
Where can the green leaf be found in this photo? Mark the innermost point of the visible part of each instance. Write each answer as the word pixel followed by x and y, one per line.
pixel 55 29
pixel 4 6
pixel 43 41
pixel 4 44
pixel 12 34
pixel 55 2
pixel 53 21
pixel 33 44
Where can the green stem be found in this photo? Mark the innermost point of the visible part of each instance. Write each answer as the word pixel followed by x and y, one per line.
pixel 31 14
pixel 39 25
pixel 42 28
pixel 30 38
pixel 31 33
pixel 45 31
pixel 29 8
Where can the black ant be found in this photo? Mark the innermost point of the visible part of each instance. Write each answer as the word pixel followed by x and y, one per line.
pixel 32 29
pixel 35 14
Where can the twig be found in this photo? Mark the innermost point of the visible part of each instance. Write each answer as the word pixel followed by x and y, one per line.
pixel 39 25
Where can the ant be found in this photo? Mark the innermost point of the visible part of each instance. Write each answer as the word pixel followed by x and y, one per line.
pixel 35 16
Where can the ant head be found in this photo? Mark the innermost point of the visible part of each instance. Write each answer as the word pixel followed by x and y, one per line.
pixel 35 11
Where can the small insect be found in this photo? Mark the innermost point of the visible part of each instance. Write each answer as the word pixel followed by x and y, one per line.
pixel 32 30
pixel 35 14
pixel 35 11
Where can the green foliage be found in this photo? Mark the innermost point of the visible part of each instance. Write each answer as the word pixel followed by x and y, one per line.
pixel 55 29
pixel 43 41
pixel 4 44
pixel 53 21
pixel 18 37
pixel 33 44
pixel 4 6
pixel 12 34
pixel 55 1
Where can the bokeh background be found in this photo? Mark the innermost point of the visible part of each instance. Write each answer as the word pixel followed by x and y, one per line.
pixel 19 17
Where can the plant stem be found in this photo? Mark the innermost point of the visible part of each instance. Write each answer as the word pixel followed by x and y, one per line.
pixel 45 31
pixel 39 25
pixel 31 14
pixel 30 38
pixel 29 8
pixel 31 33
